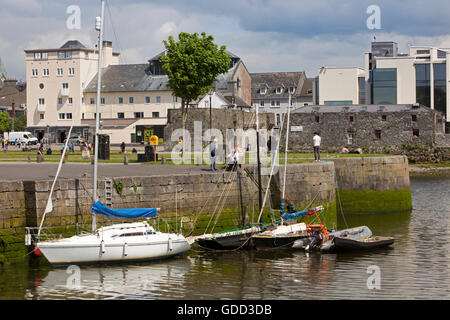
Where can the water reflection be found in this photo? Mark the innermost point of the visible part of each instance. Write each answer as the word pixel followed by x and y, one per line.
pixel 114 282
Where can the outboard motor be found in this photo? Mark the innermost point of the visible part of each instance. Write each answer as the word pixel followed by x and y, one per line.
pixel 316 241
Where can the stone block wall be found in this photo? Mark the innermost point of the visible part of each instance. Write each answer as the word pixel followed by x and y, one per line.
pixel 334 127
pixel 371 185
pixel 221 120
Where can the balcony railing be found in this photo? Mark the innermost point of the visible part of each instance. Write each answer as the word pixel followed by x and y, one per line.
pixel 64 92
pixel 40 107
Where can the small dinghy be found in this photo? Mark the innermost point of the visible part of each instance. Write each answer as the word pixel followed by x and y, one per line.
pixel 348 244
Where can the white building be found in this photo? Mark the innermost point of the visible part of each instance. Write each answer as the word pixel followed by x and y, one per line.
pixel 389 77
pixel 341 85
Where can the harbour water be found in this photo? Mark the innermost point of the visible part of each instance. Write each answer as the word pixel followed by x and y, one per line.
pixel 415 267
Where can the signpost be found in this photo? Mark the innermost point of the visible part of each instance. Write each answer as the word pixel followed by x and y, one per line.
pixel 153 141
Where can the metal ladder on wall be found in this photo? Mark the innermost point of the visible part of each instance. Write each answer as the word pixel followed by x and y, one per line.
pixel 108 192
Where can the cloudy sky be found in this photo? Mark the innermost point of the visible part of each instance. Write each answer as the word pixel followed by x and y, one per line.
pixel 269 35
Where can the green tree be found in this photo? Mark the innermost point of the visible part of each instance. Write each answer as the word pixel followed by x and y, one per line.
pixel 20 123
pixel 192 63
pixel 5 122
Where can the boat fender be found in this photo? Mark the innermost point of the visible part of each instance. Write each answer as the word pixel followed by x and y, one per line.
pixel 37 252
pixel 28 239
pixel 125 249
pixel 102 246
pixel 170 244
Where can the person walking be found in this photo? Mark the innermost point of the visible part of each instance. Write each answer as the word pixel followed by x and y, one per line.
pixel 122 147
pixel 317 140
pixel 212 150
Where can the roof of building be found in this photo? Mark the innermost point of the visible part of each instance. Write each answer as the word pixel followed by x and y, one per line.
pixel 356 108
pixel 73 44
pixel 12 91
pixel 129 78
pixel 274 80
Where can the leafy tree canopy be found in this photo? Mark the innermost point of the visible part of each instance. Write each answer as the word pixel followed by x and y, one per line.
pixel 5 122
pixel 192 63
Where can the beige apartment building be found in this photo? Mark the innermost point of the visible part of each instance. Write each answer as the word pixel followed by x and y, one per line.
pixel 56 79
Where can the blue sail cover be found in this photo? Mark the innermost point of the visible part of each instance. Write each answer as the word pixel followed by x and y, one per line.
pixel 99 208
pixel 294 214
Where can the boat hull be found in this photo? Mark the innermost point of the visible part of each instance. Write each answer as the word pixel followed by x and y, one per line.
pixel 261 242
pixel 345 244
pixel 241 241
pixel 64 252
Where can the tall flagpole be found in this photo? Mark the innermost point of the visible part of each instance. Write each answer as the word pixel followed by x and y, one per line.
pixel 99 28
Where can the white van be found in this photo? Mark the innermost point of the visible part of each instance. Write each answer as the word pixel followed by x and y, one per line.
pixel 21 136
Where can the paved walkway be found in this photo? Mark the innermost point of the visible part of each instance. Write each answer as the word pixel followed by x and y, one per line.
pixel 47 170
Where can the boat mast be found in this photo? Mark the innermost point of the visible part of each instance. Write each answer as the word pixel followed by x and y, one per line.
pixel 285 154
pixel 99 28
pixel 259 166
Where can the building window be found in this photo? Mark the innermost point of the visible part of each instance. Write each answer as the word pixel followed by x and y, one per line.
pixel 120 100
pixel 102 100
pixel 60 101
pixel 41 116
pixel 37 56
pixel 414 117
pixel 46 72
pixel 62 116
pixel 383 117
pixel 272 103
pixel 174 99
pixel 292 89
pixel 138 114
pixel 65 85
pixel 278 119
pixel 350 138
pixel 317 118
pixel 423 84
pixel 262 103
pixel 362 90
pixel 41 85
pixel 423 51
pixel 147 99
pixel 70 100
pixel 155 114
pixel 350 118
pixel 71 71
pixel 378 134
pixel 59 72
pixel 416 133
pixel 41 101
pixel 64 55
pixel 130 100
pixel 440 90
pixel 34 72
pixel 158 99
pixel 278 103
pixel 92 101
pixel 263 90
pixel 384 86
pixel 68 116
pixel 120 115
pixel 279 90
pixel 441 54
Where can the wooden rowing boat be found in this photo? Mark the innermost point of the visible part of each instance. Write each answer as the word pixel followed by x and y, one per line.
pixel 348 244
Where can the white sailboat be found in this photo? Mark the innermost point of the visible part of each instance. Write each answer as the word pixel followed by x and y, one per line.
pixel 116 243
